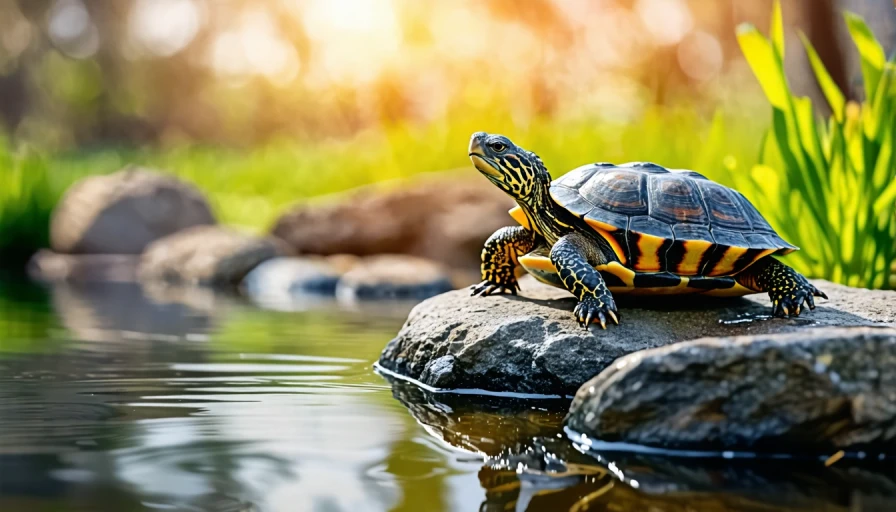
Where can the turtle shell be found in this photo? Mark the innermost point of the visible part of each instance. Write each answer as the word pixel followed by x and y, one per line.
pixel 662 220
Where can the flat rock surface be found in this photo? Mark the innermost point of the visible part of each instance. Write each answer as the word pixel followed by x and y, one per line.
pixel 531 343
pixel 813 391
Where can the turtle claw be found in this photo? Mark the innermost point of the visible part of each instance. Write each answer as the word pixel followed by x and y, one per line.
pixel 789 302
pixel 614 317
pixel 596 309
pixel 487 288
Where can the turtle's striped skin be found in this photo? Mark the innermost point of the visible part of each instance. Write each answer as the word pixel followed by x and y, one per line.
pixel 635 228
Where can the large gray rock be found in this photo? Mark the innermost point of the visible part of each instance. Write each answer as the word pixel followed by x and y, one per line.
pixel 440 218
pixel 207 255
pixel 811 391
pixel 531 343
pixel 123 212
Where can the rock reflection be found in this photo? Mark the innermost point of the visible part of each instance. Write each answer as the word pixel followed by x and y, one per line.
pixel 528 464
pixel 114 311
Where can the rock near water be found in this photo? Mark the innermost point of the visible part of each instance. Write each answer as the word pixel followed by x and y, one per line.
pixel 807 391
pixel 531 343
pixel 441 218
pixel 123 212
pixel 207 255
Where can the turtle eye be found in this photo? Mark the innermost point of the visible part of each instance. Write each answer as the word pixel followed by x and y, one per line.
pixel 497 146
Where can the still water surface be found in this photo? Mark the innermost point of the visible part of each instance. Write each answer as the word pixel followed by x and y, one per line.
pixel 117 398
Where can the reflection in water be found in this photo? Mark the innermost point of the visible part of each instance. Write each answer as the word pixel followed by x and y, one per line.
pixel 117 398
pixel 528 464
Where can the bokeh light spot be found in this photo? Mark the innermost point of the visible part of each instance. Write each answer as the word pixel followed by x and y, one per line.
pixel 667 21
pixel 164 27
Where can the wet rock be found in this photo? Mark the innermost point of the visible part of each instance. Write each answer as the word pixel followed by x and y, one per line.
pixel 47 265
pixel 286 278
pixel 441 218
pixel 817 390
pixel 486 425
pixel 526 460
pixel 122 213
pixel 393 277
pixel 207 255
pixel 531 343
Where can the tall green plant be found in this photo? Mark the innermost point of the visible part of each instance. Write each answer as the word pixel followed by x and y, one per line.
pixel 828 186
pixel 26 199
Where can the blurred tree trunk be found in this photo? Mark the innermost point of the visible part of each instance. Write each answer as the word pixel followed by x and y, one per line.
pixel 822 17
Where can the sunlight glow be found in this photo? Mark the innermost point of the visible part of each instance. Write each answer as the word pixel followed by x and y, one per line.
pixel 700 55
pixel 356 38
pixel 667 20
pixel 255 48
pixel 164 27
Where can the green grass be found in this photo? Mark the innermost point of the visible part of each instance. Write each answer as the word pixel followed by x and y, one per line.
pixel 829 185
pixel 251 188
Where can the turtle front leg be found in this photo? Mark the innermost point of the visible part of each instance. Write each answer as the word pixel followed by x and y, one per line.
pixel 500 259
pixel 573 255
pixel 787 288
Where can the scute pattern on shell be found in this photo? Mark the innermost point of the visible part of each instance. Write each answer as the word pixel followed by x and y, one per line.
pixel 676 220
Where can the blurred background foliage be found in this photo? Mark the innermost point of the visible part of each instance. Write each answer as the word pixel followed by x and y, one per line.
pixel 830 185
pixel 262 103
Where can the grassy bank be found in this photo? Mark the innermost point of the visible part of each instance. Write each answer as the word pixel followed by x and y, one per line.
pixel 252 187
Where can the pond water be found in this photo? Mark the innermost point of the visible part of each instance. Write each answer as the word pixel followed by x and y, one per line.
pixel 117 398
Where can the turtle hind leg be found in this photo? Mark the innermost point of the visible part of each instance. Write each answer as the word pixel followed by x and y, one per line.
pixel 574 256
pixel 787 288
pixel 500 257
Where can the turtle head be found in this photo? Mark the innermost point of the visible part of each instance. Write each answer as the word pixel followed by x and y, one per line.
pixel 516 171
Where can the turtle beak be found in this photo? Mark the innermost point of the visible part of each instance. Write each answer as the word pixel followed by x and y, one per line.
pixel 477 156
pixel 476 141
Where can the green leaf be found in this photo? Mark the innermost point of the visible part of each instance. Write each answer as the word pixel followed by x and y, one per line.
pixel 870 52
pixel 882 103
pixel 828 87
pixel 808 131
pixel 776 29
pixel 765 64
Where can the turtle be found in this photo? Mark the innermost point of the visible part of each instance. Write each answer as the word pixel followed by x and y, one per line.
pixel 635 228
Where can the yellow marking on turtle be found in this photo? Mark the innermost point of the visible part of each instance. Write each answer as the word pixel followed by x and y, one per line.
pixel 542 269
pixel 614 244
pixel 626 274
pixel 693 253
pixel 537 262
pixel 649 246
pixel 601 225
pixel 717 271
pixel 520 216
pixel 738 290
pixel 726 264
pixel 680 289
